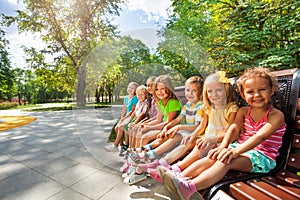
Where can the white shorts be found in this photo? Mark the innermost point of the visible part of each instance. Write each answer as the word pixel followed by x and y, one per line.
pixel 184 133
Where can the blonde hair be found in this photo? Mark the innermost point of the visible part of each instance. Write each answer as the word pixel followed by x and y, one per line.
pixel 198 80
pixel 257 72
pixel 217 78
pixel 142 88
pixel 166 81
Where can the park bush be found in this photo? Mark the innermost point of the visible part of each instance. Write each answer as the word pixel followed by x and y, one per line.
pixel 7 105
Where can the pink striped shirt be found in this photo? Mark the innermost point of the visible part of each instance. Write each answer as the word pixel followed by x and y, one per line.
pixel 271 145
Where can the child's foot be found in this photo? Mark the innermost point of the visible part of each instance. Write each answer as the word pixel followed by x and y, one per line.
pixel 125 167
pixel 135 178
pixel 161 170
pixel 123 150
pixel 130 171
pixel 111 148
pixel 145 167
pixel 182 189
pixel 153 173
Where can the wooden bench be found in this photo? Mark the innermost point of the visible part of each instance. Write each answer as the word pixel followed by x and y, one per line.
pixel 241 185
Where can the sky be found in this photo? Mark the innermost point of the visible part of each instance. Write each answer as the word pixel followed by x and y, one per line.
pixel 139 19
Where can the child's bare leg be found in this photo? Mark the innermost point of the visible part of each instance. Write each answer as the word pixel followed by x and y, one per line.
pixel 148 137
pixel 189 159
pixel 157 142
pixel 179 152
pixel 218 170
pixel 129 132
pixel 119 137
pixel 167 145
pixel 138 139
pixel 126 138
pixel 134 138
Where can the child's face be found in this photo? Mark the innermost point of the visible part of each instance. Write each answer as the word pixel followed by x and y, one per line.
pixel 141 95
pixel 192 93
pixel 257 92
pixel 216 94
pixel 131 89
pixel 150 87
pixel 160 91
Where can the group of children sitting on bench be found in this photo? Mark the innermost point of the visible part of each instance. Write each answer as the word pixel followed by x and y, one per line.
pixel 192 147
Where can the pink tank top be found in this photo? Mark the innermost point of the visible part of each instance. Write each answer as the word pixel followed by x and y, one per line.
pixel 271 145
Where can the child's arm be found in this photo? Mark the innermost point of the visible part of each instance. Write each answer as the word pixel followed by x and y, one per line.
pixel 123 112
pixel 139 118
pixel 231 134
pixel 275 120
pixel 204 141
pixel 201 128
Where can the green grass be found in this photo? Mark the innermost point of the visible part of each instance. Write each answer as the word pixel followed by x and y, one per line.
pixel 60 107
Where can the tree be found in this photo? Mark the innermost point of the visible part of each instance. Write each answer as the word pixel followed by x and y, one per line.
pixel 235 34
pixel 71 29
pixel 6 74
pixel 255 33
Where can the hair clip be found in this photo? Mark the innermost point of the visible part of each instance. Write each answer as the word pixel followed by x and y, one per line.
pixel 222 77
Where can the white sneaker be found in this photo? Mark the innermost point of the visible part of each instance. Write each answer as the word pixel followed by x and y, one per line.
pixel 111 147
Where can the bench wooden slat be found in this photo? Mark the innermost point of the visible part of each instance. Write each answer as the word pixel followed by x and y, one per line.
pixel 282 185
pixel 221 195
pixel 289 177
pixel 243 191
pixel 270 190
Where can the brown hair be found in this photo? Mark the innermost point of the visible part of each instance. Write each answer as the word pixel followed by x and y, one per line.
pixel 165 80
pixel 257 72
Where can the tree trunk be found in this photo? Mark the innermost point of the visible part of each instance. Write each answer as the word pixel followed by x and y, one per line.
pixel 81 75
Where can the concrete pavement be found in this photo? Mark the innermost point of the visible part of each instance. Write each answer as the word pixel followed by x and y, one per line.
pixel 60 156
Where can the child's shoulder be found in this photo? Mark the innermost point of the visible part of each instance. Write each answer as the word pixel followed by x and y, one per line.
pixel 243 110
pixel 276 113
pixel 232 107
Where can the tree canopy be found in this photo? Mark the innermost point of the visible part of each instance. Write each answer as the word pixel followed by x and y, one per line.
pixel 200 36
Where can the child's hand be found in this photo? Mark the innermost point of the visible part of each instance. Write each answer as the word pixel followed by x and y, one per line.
pixel 214 153
pixel 226 155
pixel 144 128
pixel 192 138
pixel 172 132
pixel 161 134
pixel 186 140
pixel 203 142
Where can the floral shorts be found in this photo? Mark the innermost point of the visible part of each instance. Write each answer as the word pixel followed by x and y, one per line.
pixel 260 162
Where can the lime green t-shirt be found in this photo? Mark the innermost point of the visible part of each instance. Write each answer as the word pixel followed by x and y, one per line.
pixel 172 106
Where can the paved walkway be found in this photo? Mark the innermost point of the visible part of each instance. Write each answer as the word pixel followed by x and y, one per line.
pixel 61 156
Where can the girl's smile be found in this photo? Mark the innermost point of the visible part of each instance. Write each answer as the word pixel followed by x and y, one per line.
pixel 257 92
pixel 160 91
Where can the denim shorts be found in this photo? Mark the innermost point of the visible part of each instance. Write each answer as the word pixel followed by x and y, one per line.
pixel 260 162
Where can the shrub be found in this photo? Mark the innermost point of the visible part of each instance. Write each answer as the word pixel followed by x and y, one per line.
pixel 8 105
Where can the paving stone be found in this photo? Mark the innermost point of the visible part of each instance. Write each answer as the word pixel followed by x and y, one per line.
pixel 38 191
pixel 68 194
pixel 97 184
pixel 73 174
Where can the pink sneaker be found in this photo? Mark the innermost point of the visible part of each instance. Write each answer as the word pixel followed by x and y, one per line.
pixel 153 165
pixel 125 167
pixel 180 188
pixel 153 173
